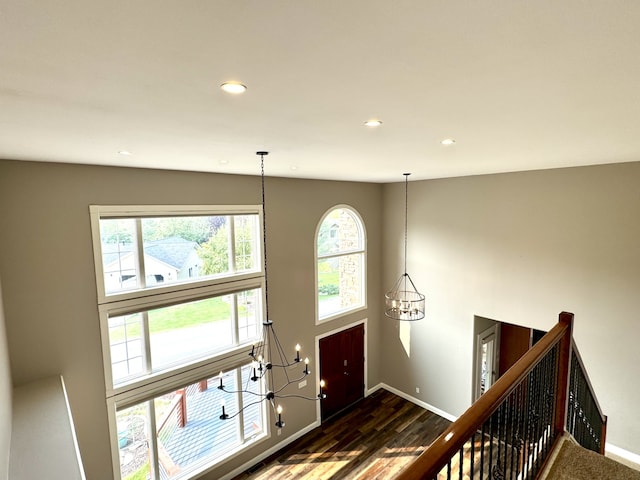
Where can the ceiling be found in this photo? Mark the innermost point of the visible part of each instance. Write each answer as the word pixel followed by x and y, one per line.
pixel 519 84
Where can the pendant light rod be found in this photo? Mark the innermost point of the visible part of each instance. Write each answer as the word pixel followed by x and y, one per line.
pixel 406 217
pixel 264 234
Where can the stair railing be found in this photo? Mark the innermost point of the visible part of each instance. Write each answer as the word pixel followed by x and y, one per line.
pixel 511 429
pixel 585 420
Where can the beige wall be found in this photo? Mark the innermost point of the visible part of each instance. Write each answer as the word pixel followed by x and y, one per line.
pixel 516 247
pixel 520 248
pixel 46 262
pixel 5 399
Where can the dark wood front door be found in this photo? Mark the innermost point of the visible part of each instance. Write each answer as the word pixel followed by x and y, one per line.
pixel 342 369
pixel 514 343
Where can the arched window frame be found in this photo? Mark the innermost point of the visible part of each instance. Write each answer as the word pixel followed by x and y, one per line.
pixel 360 251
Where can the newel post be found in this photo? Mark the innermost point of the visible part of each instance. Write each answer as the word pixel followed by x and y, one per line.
pixel 564 366
pixel 603 435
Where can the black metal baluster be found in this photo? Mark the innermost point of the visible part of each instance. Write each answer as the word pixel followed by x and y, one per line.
pixel 533 419
pixel 471 455
pixel 571 411
pixel 508 441
pixel 548 401
pixel 498 437
pixel 518 429
pixel 482 452
pixel 555 365
pixel 580 408
pixel 490 462
pixel 526 428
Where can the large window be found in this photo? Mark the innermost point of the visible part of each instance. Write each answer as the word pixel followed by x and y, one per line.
pixel 341 260
pixel 180 297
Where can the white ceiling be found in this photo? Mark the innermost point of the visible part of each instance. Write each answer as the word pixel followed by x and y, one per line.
pixel 520 85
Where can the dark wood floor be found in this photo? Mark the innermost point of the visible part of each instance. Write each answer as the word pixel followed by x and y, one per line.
pixel 374 439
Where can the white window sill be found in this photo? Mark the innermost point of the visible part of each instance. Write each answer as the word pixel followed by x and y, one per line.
pixel 43 441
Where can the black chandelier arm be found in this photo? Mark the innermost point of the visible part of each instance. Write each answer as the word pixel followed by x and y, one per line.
pixel 282 388
pixel 295 380
pixel 229 417
pixel 256 394
pixel 286 365
pixel 301 396
pixel 281 352
pixel 290 382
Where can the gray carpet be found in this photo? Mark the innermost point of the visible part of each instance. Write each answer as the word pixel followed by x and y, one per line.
pixel 576 463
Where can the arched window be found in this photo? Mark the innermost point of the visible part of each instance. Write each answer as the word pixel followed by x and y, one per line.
pixel 341 259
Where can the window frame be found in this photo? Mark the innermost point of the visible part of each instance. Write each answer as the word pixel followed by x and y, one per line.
pixel 131 306
pixel 362 251
pixel 138 390
pixel 98 212
pixel 142 395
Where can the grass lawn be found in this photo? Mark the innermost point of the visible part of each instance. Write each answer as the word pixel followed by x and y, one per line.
pixel 175 317
pixel 189 314
pixel 141 474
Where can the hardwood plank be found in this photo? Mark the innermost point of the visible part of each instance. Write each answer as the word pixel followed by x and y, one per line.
pixel 373 439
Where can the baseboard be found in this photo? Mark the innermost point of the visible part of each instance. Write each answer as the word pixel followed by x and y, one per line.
pixel 622 456
pixel 271 451
pixel 409 398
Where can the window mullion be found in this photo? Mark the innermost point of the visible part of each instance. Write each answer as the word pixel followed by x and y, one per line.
pixel 142 277
pixel 232 244
pixel 240 424
pixel 257 247
pixel 146 342
pixel 344 253
pixel 153 451
pixel 235 328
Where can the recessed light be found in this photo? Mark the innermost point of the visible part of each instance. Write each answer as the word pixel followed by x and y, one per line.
pixel 224 162
pixel 233 87
pixel 293 167
pixel 373 123
pixel 448 141
pixel 124 152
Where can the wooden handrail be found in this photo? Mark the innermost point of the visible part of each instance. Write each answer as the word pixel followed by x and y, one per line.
pixel 431 461
pixel 177 401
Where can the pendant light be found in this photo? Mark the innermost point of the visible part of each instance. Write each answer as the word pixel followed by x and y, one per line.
pixel 403 301
pixel 268 354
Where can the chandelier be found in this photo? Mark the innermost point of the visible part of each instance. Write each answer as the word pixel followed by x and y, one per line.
pixel 403 301
pixel 268 354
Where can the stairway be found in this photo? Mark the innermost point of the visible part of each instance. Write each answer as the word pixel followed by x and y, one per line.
pixel 572 462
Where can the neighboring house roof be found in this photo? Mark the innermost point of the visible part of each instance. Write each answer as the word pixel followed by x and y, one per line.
pixel 111 251
pixel 173 251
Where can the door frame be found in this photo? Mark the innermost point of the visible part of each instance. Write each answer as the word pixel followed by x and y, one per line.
pixel 481 338
pixel 342 328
